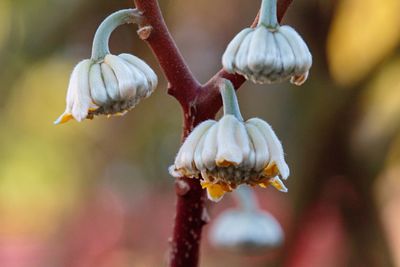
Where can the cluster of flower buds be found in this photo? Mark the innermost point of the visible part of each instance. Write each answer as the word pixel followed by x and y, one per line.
pixel 246 228
pixel 108 84
pixel 268 53
pixel 230 152
pixel 222 154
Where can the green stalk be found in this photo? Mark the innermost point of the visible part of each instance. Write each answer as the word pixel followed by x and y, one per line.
pixel 229 99
pixel 268 14
pixel 102 36
pixel 246 198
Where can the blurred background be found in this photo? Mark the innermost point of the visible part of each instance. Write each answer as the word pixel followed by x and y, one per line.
pixel 98 193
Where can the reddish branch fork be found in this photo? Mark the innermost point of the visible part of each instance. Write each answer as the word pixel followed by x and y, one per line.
pixel 198 102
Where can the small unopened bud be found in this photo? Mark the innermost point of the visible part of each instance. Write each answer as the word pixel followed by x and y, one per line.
pixel 108 84
pixel 246 231
pixel 268 53
pixel 227 153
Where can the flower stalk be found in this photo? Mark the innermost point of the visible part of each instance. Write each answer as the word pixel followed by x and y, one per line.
pixel 229 99
pixel 185 88
pixel 268 14
pixel 107 84
pixel 102 36
pixel 246 198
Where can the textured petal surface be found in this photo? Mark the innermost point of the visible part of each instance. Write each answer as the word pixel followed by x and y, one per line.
pixel 261 151
pixel 111 82
pixel 300 49
pixel 141 65
pixel 287 56
pixel 209 152
pixel 229 153
pixel 241 63
pixel 228 58
pixel 82 100
pixel 258 49
pixel 97 88
pixel 274 145
pixel 185 156
pixel 127 85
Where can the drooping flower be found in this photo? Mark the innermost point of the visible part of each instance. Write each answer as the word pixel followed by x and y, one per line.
pixel 268 53
pixel 230 152
pixel 108 84
pixel 246 228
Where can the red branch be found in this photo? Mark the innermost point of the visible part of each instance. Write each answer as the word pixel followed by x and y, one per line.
pixel 182 84
pixel 198 103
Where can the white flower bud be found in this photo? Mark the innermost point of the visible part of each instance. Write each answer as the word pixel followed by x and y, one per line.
pixel 227 153
pixel 110 87
pixel 268 53
pixel 230 152
pixel 108 84
pixel 246 231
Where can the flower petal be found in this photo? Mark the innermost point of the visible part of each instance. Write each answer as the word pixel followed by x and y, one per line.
pixel 229 153
pixel 300 50
pixel 110 82
pixel 287 55
pixel 258 49
pixel 209 153
pixel 242 140
pixel 262 155
pixel 230 54
pixel 274 145
pixel 97 87
pixel 126 84
pixel 215 192
pixel 185 157
pixel 241 64
pixel 198 161
pixel 82 101
pixel 140 64
pixel 278 184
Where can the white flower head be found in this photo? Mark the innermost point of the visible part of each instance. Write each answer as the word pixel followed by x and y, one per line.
pixel 230 152
pixel 108 84
pixel 245 231
pixel 269 53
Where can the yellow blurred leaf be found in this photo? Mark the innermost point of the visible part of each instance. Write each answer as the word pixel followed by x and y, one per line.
pixel 363 33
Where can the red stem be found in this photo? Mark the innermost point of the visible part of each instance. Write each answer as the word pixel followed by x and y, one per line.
pixel 182 84
pixel 198 103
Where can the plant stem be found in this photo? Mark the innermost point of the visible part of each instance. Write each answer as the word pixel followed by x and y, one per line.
pixel 181 82
pixel 268 14
pixel 229 99
pixel 246 198
pixel 198 104
pixel 102 36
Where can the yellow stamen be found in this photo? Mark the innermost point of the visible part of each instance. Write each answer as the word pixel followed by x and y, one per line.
pixel 263 184
pixel 271 170
pixel 215 191
pixel 275 182
pixel 118 114
pixel 63 118
pixel 225 163
pixel 278 184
